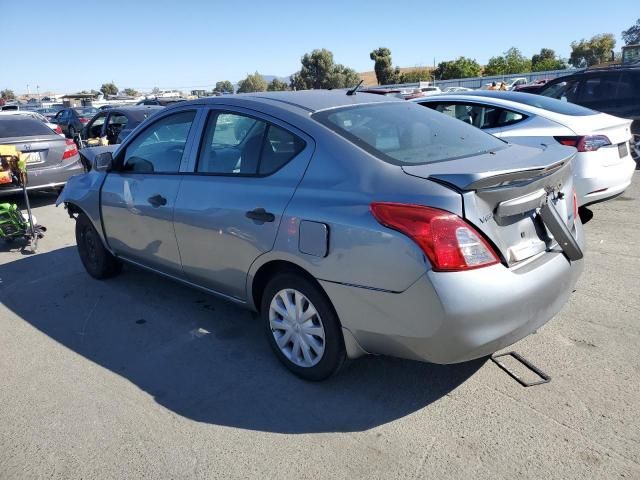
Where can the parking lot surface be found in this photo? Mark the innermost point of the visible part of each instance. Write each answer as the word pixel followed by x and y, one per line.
pixel 140 377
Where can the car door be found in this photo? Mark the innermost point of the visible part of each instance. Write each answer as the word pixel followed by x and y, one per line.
pixel 228 210
pixel 138 198
pixel 598 91
pixel 61 119
pixel 95 128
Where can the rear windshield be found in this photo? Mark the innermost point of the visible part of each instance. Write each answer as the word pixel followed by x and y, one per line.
pixel 86 112
pixel 23 127
pixel 553 105
pixel 403 133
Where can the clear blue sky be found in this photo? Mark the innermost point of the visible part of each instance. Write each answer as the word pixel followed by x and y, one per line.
pixel 186 44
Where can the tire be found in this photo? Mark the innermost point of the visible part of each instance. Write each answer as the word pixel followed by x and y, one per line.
pixel 321 333
pixel 98 262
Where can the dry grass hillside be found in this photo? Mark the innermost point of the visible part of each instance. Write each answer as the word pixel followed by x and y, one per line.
pixel 370 77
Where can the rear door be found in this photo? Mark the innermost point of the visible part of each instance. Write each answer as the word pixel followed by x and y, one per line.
pixel 138 197
pixel 228 210
pixel 598 92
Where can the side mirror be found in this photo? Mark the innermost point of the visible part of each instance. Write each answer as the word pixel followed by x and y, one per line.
pixel 103 162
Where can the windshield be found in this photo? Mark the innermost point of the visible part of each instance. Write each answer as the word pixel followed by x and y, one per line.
pixel 407 134
pixel 553 105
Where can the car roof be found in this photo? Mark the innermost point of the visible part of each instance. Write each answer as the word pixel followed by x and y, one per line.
pixel 307 100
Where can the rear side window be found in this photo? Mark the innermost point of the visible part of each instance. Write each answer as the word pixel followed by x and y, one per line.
pixel 407 134
pixel 598 88
pixel 480 116
pixel 23 127
pixel 235 144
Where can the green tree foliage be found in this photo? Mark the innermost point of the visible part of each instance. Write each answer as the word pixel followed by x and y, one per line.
pixel 224 86
pixel 593 51
pixel 132 92
pixel 109 88
pixel 385 73
pixel 253 83
pixel 320 71
pixel 277 85
pixel 462 67
pixel 631 36
pixel 7 94
pixel 546 60
pixel 512 61
pixel 414 76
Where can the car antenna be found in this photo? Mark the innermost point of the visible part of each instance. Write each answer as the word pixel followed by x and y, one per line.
pixel 354 89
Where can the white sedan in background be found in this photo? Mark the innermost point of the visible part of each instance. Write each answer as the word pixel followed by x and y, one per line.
pixel 603 167
pixel 35 116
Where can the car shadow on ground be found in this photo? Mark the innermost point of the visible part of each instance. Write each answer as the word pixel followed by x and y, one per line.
pixel 36 199
pixel 206 359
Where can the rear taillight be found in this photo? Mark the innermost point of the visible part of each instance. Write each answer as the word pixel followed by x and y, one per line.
pixel 83 120
pixel 589 143
pixel 450 243
pixel 70 150
pixel 58 130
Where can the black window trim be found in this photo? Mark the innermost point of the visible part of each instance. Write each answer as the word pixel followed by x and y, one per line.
pixel 119 158
pixel 269 123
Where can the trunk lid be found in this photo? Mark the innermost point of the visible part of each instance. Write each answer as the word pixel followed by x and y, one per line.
pixel 41 152
pixel 618 130
pixel 504 191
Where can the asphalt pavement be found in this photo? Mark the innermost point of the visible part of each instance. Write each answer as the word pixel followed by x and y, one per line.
pixel 140 377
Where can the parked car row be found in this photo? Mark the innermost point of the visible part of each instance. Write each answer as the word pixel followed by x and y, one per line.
pixel 354 223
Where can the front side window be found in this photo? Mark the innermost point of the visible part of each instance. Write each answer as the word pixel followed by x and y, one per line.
pixel 235 144
pixel 407 134
pixel 159 148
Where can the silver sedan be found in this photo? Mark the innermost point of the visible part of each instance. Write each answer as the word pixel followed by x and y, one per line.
pixel 353 223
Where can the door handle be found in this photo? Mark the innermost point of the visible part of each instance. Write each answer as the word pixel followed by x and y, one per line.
pixel 260 215
pixel 157 201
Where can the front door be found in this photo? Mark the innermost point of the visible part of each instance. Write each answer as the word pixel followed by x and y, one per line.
pixel 138 198
pixel 228 210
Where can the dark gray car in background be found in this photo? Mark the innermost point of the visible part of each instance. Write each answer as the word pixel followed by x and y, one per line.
pixel 51 159
pixel 116 123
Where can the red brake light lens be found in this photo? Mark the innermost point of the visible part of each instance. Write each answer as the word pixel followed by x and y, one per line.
pixel 589 143
pixel 450 243
pixel 83 120
pixel 58 129
pixel 70 150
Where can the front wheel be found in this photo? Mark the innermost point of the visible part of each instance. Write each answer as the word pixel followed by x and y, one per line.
pixel 302 327
pixel 96 259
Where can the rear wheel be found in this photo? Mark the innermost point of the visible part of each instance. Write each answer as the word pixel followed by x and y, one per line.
pixel 96 259
pixel 302 327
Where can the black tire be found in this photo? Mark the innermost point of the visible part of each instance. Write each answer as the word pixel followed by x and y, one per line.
pixel 98 262
pixel 334 354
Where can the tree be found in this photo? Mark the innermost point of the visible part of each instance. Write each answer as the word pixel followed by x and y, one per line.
pixel 631 36
pixel 277 85
pixel 417 75
pixel 224 86
pixel 512 61
pixel 131 92
pixel 253 83
pixel 319 71
pixel 593 51
pixel 546 60
pixel 462 67
pixel 109 88
pixel 385 73
pixel 7 94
